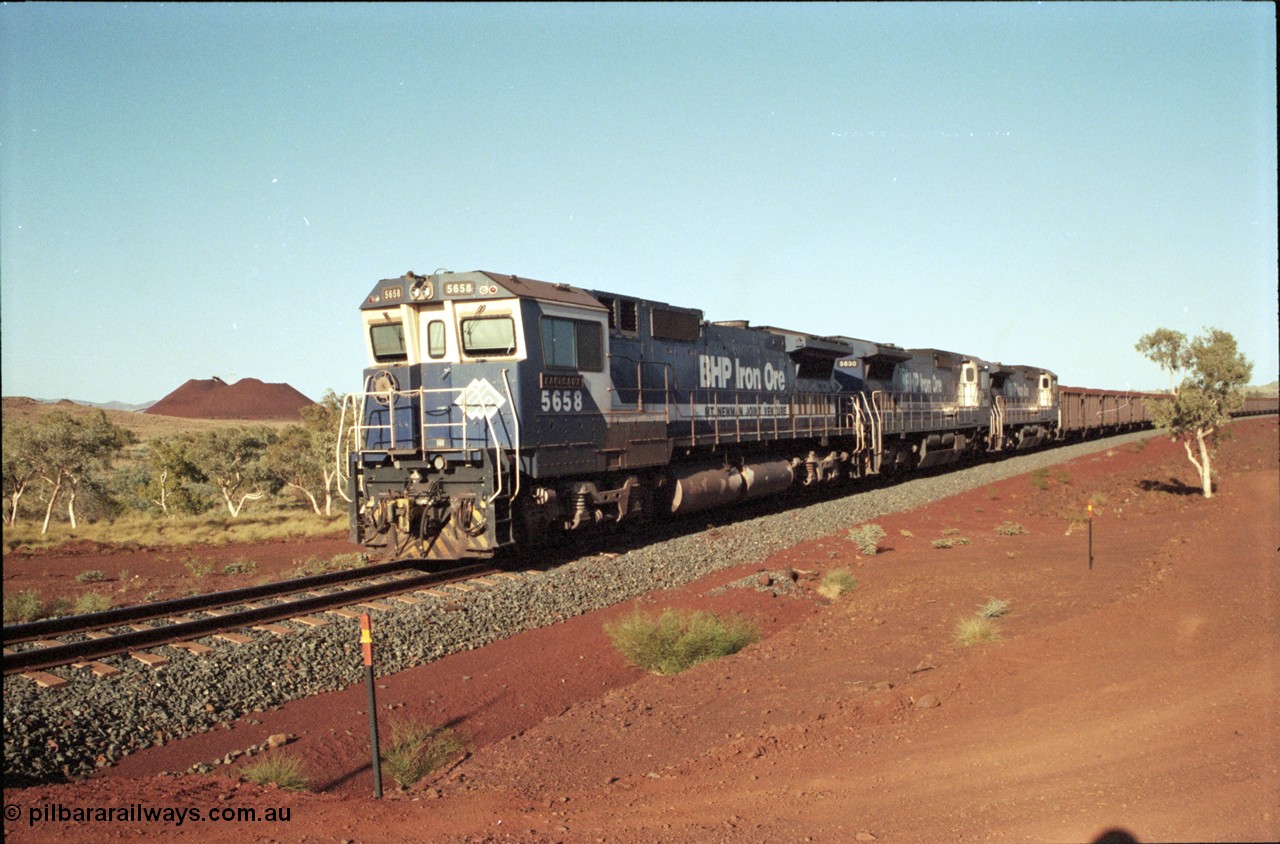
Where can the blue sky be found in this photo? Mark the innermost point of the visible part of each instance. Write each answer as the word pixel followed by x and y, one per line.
pixel 199 190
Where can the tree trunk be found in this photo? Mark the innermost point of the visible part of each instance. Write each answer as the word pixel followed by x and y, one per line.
pixel 235 508
pixel 1206 473
pixel 48 511
pixel 164 507
pixel 336 479
pixel 1202 465
pixel 11 512
pixel 315 505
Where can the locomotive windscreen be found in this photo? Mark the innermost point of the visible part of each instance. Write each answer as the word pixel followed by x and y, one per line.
pixel 388 342
pixel 495 335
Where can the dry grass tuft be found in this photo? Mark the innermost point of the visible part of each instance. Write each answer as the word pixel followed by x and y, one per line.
pixel 282 769
pixel 416 749
pixel 677 640
pixel 975 630
pixel 837 582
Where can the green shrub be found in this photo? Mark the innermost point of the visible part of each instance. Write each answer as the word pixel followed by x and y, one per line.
pixel 415 750
pixel 1011 529
pixel 678 640
pixel 338 562
pixel 867 538
pixel 356 560
pixel 975 630
pixel 91 576
pixel 1040 478
pixel 241 566
pixel 836 583
pixel 284 770
pixel 197 567
pixel 29 606
pixel 92 602
pixel 23 607
pixel 993 608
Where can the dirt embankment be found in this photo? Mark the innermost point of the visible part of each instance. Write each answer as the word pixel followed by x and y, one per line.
pixel 1138 694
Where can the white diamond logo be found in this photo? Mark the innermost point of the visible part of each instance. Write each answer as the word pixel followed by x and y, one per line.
pixel 480 399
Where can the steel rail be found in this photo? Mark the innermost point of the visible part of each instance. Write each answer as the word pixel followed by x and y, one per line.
pixel 36 659
pixel 48 627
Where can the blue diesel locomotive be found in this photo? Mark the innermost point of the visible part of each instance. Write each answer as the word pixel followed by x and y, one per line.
pixel 498 410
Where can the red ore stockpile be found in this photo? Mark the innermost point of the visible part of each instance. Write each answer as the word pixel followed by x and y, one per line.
pixel 248 398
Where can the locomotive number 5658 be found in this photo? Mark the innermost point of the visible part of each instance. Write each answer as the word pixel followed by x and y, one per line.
pixel 561 400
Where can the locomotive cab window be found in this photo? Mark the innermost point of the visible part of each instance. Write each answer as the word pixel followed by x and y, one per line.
pixel 435 339
pixel 572 344
pixel 488 335
pixel 387 339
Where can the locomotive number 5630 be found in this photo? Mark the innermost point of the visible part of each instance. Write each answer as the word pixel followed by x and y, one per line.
pixel 561 400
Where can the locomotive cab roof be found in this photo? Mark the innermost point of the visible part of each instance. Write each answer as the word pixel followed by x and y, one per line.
pixel 412 288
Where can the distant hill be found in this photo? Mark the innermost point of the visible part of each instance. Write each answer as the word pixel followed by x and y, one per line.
pixel 20 410
pixel 110 405
pixel 248 399
pixel 1272 389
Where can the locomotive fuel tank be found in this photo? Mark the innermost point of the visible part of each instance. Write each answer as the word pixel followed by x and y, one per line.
pixel 700 488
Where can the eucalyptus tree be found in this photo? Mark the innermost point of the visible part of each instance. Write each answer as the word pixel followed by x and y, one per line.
pixel 1217 373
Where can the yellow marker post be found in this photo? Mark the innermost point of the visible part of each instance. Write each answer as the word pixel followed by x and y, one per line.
pixel 1090 536
pixel 366 645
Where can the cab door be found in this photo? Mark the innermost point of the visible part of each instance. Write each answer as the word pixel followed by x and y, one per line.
pixel 1046 390
pixel 574 378
pixel 969 384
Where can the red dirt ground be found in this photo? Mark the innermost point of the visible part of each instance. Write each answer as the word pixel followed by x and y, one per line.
pixel 133 575
pixel 1140 694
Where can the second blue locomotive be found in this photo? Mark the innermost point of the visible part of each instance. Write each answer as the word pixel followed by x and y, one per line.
pixel 497 410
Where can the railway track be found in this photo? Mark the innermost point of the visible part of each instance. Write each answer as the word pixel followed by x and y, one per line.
pixel 220 614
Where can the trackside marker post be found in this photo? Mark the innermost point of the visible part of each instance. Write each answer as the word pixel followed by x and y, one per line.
pixel 1090 536
pixel 366 645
